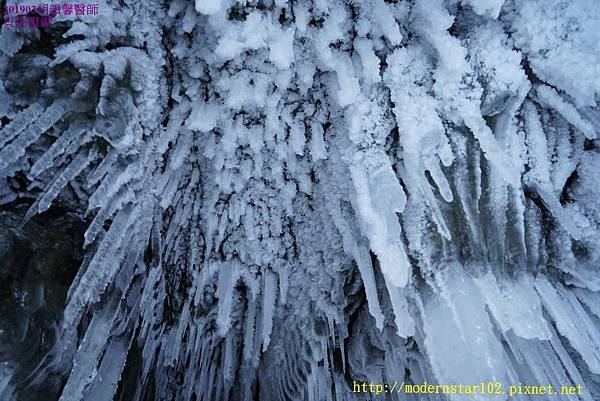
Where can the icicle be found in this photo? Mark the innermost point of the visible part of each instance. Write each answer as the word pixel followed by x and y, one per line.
pixel 102 268
pixel 550 98
pixel 570 368
pixel 581 331
pixel 59 147
pixel 405 325
pixel 227 279
pixel 89 352
pixel 121 198
pixel 112 184
pixel 537 147
pixel 228 364
pixel 360 254
pixel 42 204
pixel 13 151
pixel 184 145
pixel 249 331
pixel 113 363
pixel 381 225
pixel 283 272
pixel 268 308
pixel 440 180
pixel 20 123
pixel 492 150
pixel 102 169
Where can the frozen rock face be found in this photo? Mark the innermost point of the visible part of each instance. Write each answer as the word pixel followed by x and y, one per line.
pixel 282 198
pixel 37 265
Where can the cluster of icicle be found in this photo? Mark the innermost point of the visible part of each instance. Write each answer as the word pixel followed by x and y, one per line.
pixel 286 196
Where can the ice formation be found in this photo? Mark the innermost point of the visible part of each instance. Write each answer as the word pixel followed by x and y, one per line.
pixel 283 197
